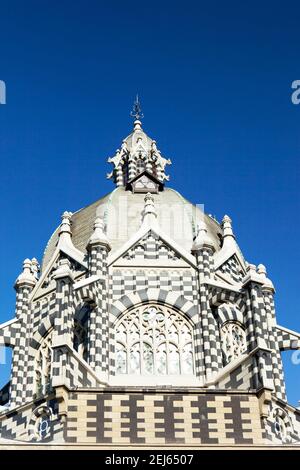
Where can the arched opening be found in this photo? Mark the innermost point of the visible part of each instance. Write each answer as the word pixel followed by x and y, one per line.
pixel 43 362
pixel 80 331
pixel 154 340
pixel 281 425
pixel 125 173
pixel 40 425
pixel 140 166
pixel 154 169
pixel 233 340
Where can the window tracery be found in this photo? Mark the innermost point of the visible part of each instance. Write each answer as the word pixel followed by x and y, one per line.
pixel 140 165
pixel 42 427
pixel 43 365
pixel 281 425
pixel 80 339
pixel 233 339
pixel 154 340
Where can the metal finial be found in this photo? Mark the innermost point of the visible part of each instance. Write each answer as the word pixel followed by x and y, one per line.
pixel 137 110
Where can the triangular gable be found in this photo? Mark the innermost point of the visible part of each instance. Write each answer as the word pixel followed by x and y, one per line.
pixel 164 240
pixel 220 276
pixel 150 247
pixel 232 269
pixel 46 282
pixel 226 252
pixel 140 148
pixel 145 182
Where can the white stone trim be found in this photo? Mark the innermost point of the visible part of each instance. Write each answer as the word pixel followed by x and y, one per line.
pixel 222 285
pixel 8 323
pixel 155 380
pixel 72 252
pixel 151 263
pixel 287 330
pixel 225 277
pixel 114 256
pixel 220 257
pixel 89 280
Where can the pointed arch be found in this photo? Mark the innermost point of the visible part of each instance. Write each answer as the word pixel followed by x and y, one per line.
pixel 46 325
pixel 154 339
pixel 229 312
pixel 218 296
pixel 163 297
pixel 81 326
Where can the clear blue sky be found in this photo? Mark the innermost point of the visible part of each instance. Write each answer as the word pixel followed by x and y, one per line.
pixel 215 83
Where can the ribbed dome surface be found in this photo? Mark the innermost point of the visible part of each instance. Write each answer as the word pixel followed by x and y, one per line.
pixel 122 213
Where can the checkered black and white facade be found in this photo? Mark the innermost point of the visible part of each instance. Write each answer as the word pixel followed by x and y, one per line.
pixel 91 334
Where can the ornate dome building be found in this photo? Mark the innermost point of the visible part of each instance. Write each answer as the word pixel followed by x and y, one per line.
pixel 145 326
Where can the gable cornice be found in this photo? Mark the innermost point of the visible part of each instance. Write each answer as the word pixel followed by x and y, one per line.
pixel 144 230
pixel 66 249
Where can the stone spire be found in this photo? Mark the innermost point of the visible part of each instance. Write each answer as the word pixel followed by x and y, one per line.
pixel 26 278
pixel 252 275
pixel 98 236
pixel 65 232
pixel 202 239
pixel 63 270
pixel 149 214
pixel 35 267
pixel 137 125
pixel 228 235
pixel 138 153
pixel 98 247
pixel 262 271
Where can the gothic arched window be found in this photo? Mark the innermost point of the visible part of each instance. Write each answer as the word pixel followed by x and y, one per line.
pixel 80 339
pixel 140 166
pixel 39 426
pixel 282 425
pixel 125 173
pixel 80 330
pixel 233 338
pixel 43 365
pixel 154 169
pixel 154 340
pixel 42 427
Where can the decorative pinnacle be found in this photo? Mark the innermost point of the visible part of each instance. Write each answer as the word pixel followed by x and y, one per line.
pixel 65 232
pixel 26 277
pixel 35 267
pixel 261 269
pixel 268 284
pixel 137 110
pixel 63 270
pixel 252 275
pixel 251 268
pixel 98 236
pixel 202 240
pixel 228 235
pixel 66 222
pixel 149 213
